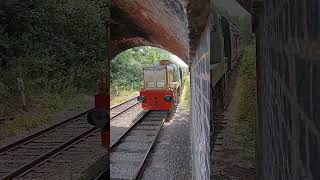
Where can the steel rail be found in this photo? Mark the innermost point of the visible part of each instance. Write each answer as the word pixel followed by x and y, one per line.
pixel 113 145
pixel 58 149
pixel 142 165
pixel 46 130
pixel 74 141
pixel 27 139
pixel 79 138
pixel 118 141
pixel 114 106
pixel 124 110
pixel 46 155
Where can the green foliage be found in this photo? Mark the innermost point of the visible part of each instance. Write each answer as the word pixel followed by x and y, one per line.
pixel 52 40
pixel 187 95
pixel 248 102
pixel 127 67
pixel 56 47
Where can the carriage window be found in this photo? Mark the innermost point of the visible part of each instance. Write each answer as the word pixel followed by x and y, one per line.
pixel 217 39
pixel 150 84
pixel 160 84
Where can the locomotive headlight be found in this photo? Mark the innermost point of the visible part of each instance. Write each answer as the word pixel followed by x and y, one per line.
pixel 141 98
pixel 168 98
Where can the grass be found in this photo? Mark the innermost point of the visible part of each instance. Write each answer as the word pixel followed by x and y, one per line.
pixel 40 109
pixel 42 105
pixel 248 102
pixel 123 95
pixel 186 93
pixel 23 122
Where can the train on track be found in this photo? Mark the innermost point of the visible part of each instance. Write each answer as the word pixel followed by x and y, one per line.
pixel 162 86
pixel 227 44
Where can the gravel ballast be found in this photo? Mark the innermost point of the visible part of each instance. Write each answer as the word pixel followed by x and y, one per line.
pixel 171 156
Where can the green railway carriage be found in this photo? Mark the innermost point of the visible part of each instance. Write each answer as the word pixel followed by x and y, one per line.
pixel 226 41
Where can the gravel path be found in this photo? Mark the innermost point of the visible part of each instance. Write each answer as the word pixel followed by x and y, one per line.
pixel 171 157
pixel 227 160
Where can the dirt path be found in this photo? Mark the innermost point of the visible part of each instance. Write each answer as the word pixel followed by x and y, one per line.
pixel 228 156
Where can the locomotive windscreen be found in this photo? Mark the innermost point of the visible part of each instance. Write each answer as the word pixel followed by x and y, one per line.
pixel 155 78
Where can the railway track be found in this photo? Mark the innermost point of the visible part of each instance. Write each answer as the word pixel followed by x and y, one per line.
pixel 130 151
pixel 19 159
pixel 219 124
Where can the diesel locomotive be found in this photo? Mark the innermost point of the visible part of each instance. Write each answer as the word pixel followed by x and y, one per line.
pixel 162 86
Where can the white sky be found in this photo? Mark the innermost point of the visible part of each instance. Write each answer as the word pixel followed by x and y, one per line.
pixel 178 61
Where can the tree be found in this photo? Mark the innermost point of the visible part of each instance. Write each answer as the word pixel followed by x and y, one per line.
pixel 127 67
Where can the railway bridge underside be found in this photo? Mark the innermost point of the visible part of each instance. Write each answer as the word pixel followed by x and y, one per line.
pixel 180 27
pixel 288 73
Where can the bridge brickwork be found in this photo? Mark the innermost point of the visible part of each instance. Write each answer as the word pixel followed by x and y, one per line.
pixel 177 26
pixel 200 93
pixel 288 73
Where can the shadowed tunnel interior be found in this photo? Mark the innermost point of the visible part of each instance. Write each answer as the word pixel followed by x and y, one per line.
pixel 164 24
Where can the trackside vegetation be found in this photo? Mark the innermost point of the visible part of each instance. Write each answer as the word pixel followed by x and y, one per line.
pixel 248 100
pixel 57 48
pixel 186 94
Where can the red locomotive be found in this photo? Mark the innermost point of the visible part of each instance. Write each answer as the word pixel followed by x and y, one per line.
pixel 162 86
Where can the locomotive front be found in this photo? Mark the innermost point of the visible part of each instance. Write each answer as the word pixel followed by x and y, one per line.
pixel 159 91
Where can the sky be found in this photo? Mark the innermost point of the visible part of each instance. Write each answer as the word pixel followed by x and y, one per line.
pixel 232 7
pixel 178 61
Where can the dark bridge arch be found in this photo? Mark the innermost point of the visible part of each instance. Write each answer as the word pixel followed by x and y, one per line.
pixel 288 88
pixel 145 23
pixel 173 25
pixel 180 27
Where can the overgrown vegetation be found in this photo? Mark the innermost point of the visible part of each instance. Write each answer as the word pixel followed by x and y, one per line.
pixel 57 48
pixel 186 92
pixel 248 102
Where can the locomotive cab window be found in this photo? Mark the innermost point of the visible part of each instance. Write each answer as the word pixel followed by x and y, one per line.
pixel 150 84
pixel 160 84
